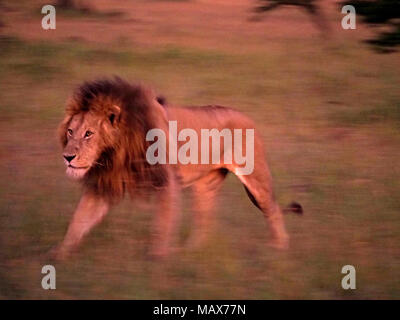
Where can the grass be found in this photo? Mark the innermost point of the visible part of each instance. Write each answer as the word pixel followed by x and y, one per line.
pixel 329 117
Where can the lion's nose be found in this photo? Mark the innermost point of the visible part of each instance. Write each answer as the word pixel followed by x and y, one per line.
pixel 69 158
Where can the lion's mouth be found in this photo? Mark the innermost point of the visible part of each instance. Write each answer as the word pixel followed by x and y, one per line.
pixel 73 167
pixel 76 172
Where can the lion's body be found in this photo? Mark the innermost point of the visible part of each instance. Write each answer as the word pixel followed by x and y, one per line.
pixel 104 139
pixel 208 117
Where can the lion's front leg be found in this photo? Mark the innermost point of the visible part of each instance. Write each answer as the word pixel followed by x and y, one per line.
pixel 166 218
pixel 90 211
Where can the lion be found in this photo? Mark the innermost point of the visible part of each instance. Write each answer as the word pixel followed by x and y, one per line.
pixel 103 136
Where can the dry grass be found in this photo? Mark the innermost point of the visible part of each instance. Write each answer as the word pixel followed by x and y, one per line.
pixel 329 113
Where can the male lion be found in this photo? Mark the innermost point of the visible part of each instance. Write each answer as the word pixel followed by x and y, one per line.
pixel 104 140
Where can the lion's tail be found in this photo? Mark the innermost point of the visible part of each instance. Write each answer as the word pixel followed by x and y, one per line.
pixel 294 207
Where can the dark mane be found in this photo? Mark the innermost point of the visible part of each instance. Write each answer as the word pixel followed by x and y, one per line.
pixel 122 165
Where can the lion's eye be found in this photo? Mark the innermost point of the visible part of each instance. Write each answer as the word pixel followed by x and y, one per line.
pixel 88 134
pixel 70 132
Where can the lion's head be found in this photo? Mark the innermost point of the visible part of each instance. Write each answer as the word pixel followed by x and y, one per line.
pixel 103 136
pixel 87 135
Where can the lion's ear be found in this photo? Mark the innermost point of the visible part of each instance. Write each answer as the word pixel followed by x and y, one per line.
pixel 114 114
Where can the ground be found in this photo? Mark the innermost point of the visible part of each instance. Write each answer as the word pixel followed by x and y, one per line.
pixel 327 107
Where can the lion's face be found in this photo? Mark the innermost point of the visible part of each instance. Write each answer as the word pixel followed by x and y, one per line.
pixel 84 143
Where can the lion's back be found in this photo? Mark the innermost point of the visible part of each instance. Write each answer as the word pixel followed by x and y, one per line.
pixel 208 117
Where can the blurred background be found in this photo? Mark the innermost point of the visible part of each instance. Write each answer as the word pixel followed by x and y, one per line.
pixel 325 99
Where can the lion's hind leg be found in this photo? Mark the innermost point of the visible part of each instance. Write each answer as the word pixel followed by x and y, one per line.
pixel 259 189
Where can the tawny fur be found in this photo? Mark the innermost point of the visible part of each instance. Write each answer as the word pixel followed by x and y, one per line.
pixel 115 163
